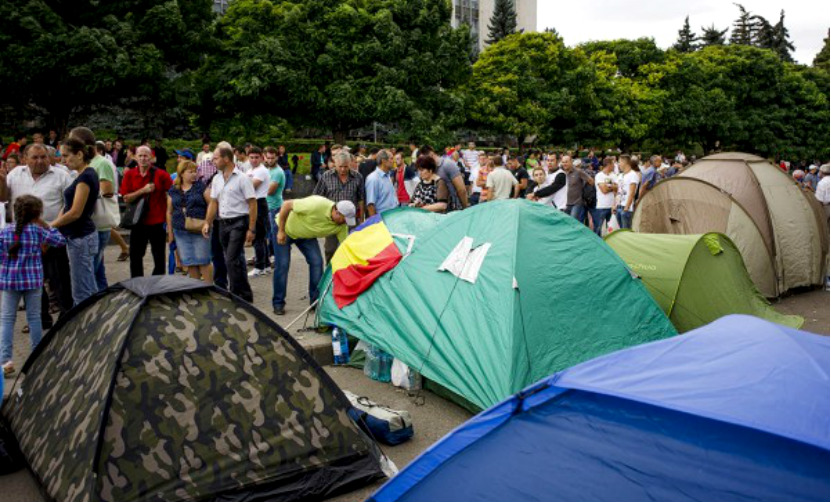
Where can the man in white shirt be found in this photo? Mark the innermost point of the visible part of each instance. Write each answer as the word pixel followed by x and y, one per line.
pixel 501 183
pixel 260 178
pixel 605 183
pixel 471 156
pixel 823 193
pixel 205 154
pixel 48 183
pixel 233 194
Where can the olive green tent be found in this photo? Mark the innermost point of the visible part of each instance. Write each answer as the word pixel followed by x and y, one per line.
pixel 488 300
pixel 696 279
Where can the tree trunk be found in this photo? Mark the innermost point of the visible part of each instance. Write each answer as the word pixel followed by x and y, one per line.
pixel 339 136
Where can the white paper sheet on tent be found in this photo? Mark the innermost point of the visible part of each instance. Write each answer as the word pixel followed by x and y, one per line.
pixel 465 261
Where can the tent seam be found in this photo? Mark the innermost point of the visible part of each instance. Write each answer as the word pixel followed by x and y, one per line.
pixel 102 421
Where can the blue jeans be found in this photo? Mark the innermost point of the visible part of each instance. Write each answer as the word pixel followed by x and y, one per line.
pixel 82 253
pixel 577 212
pixel 272 231
pixel 599 218
pixel 624 218
pixel 289 179
pixel 100 270
pixel 8 314
pixel 282 255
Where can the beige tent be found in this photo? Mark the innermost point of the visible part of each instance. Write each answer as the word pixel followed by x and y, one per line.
pixel 773 222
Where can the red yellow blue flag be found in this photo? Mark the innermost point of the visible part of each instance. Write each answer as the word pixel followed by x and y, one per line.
pixel 361 258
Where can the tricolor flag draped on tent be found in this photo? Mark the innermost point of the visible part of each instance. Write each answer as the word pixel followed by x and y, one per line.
pixel 364 256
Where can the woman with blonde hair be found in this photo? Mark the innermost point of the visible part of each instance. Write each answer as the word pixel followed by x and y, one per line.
pixel 187 206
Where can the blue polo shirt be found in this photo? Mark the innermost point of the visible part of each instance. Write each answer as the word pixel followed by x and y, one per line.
pixel 380 191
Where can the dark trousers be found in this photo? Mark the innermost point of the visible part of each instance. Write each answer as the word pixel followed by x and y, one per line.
pixel 218 257
pixel 261 236
pixel 140 235
pixel 232 235
pixel 56 273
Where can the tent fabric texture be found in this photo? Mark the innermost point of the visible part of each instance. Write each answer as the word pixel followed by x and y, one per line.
pixel 164 388
pixel 736 410
pixel 488 300
pixel 696 279
pixel 776 225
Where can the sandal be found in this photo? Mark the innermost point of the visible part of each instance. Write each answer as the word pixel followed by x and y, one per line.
pixel 124 256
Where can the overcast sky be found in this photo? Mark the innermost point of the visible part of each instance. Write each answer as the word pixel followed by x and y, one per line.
pixel 583 20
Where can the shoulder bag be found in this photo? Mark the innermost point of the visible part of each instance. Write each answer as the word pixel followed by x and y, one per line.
pixel 136 210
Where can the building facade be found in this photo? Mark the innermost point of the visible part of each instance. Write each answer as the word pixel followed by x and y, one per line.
pixel 477 14
pixel 220 6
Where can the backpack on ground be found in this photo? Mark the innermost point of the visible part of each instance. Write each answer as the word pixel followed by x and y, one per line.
pixel 384 424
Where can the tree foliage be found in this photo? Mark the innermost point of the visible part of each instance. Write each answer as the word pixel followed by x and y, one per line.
pixel 61 57
pixel 743 97
pixel 630 54
pixel 502 22
pixel 687 39
pixel 745 28
pixel 821 59
pixel 713 36
pixel 337 64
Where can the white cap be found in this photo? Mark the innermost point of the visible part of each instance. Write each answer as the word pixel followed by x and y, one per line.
pixel 347 209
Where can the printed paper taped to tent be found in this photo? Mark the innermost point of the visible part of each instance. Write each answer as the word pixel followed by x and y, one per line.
pixel 465 261
pixel 363 257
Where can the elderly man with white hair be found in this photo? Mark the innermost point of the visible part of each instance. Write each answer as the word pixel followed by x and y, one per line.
pixel 147 181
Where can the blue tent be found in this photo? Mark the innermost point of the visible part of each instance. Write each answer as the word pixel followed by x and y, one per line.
pixel 735 410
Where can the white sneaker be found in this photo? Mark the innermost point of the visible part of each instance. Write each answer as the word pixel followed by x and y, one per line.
pixel 257 272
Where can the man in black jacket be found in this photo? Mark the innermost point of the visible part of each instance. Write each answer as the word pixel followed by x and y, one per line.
pixel 318 162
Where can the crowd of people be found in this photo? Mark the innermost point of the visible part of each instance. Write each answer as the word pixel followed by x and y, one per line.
pixel 218 201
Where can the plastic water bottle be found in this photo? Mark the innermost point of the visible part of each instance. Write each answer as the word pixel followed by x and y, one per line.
pixel 344 345
pixel 384 366
pixel 371 364
pixel 337 347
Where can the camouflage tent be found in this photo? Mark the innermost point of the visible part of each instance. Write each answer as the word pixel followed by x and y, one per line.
pixel 165 389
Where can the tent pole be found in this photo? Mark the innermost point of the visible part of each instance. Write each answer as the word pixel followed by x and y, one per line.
pixel 310 307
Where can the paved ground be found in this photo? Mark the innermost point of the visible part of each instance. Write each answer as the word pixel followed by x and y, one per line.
pixel 432 419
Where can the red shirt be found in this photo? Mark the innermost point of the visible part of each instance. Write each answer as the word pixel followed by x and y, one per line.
pixel 133 181
pixel 401 190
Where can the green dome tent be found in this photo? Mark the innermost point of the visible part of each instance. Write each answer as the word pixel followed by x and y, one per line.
pixel 534 292
pixel 696 279
pixel 164 388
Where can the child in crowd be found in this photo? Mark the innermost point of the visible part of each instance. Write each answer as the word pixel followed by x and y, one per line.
pixel 21 272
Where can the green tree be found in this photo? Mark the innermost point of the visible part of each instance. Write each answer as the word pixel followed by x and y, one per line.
pixel 713 36
pixel 630 54
pixel 745 28
pixel 61 58
pixel 503 21
pixel 781 40
pixel 687 39
pixel 743 97
pixel 821 59
pixel 337 64
pixel 531 85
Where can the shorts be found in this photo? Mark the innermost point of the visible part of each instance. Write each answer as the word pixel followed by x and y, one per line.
pixel 194 250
